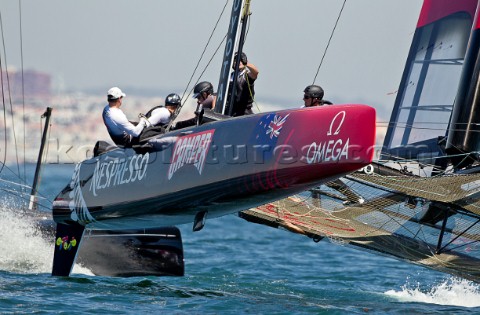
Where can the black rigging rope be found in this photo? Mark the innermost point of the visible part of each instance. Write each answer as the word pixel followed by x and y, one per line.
pixel 185 95
pixel 204 49
pixel 4 107
pixel 22 179
pixel 328 43
pixel 249 88
pixel 22 184
pixel 23 88
pixel 9 97
pixel 210 60
pixel 205 69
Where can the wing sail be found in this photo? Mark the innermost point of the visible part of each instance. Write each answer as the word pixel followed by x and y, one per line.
pixel 433 234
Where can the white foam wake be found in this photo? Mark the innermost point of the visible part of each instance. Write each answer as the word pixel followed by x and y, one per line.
pixel 454 291
pixel 23 248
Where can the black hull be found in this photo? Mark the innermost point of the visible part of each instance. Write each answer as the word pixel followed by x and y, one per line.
pixel 153 252
pixel 128 253
pixel 216 164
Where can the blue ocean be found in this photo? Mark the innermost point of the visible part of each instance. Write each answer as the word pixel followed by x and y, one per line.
pixel 232 267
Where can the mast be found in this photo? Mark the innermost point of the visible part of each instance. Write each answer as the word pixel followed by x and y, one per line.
pixel 463 133
pixel 246 13
pixel 232 37
pixel 33 193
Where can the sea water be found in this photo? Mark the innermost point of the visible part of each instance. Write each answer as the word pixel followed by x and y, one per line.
pixel 232 267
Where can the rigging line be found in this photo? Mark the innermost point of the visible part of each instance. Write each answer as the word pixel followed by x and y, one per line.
pixel 21 184
pixel 14 183
pixel 23 195
pixel 4 111
pixel 328 43
pixel 25 198
pixel 413 127
pixel 431 129
pixel 417 122
pixel 405 125
pixel 246 75
pixel 185 98
pixel 205 69
pixel 204 49
pixel 9 95
pixel 210 60
pixel 23 90
pixel 452 241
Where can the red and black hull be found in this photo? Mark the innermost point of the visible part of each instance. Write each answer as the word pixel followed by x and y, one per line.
pixel 221 167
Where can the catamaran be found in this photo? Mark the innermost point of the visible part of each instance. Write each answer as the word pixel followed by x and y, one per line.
pixel 420 200
pixel 221 166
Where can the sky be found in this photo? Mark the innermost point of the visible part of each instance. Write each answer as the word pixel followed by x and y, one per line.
pixel 155 45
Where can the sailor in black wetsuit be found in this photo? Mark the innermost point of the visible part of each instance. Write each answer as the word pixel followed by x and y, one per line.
pixel 203 93
pixel 244 88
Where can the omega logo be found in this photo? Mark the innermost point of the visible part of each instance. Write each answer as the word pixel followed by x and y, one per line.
pixel 341 117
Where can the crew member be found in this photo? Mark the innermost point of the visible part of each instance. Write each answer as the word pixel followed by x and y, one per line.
pixel 244 88
pixel 313 96
pixel 203 92
pixel 120 129
pixel 161 115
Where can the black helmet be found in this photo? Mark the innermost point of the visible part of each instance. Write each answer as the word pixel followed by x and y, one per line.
pixel 201 87
pixel 314 91
pixel 243 58
pixel 172 100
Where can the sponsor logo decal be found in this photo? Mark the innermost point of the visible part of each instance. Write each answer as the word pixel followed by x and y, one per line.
pixel 64 244
pixel 276 125
pixel 191 149
pixel 332 150
pixel 119 171
pixel 336 124
pixel 266 133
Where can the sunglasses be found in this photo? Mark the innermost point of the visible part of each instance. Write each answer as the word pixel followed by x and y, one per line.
pixel 306 97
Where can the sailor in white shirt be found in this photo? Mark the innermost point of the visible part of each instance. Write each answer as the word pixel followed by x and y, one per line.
pixel 161 115
pixel 121 130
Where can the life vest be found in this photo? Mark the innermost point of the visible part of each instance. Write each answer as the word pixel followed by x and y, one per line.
pixel 149 113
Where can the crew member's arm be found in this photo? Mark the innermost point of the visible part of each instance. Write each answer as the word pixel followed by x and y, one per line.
pixel 128 127
pixel 210 101
pixel 214 101
pixel 253 73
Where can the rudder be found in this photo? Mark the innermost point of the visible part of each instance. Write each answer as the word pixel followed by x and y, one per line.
pixel 67 243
